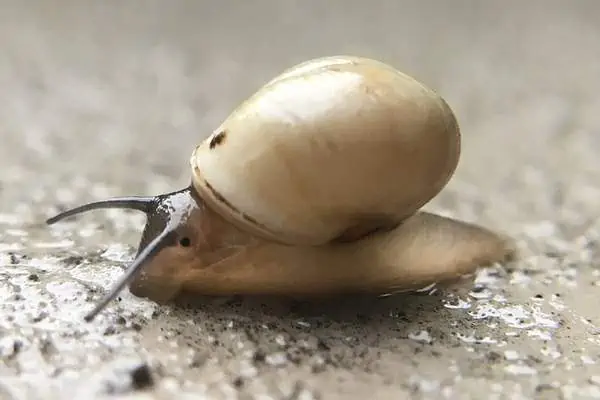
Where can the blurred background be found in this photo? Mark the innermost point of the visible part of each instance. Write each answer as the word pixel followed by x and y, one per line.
pixel 118 93
pixel 109 98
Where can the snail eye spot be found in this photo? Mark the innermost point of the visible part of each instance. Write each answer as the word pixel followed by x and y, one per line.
pixel 185 242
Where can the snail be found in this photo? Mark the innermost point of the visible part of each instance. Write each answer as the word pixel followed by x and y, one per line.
pixel 313 186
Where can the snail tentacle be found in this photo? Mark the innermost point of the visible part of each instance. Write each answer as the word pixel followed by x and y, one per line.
pixel 140 203
pixel 166 238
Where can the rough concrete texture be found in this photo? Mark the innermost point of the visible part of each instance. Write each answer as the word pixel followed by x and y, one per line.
pixel 108 98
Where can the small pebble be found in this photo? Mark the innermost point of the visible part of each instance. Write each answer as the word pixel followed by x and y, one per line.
pixel 511 355
pixel 39 316
pixel 421 336
pixel 277 359
pixel 259 356
pixel 318 364
pixel 141 376
pixel 238 382
pixel 110 330
pixel 10 346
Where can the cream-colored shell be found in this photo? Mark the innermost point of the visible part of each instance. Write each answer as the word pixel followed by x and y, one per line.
pixel 328 145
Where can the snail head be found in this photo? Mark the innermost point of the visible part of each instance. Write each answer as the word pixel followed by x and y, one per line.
pixel 180 233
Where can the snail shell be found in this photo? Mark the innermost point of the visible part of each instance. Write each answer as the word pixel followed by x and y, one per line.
pixel 312 186
pixel 330 148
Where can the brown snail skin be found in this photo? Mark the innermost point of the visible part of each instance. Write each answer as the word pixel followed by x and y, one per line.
pixel 312 187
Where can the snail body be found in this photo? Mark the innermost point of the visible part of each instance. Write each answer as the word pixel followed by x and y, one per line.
pixel 312 186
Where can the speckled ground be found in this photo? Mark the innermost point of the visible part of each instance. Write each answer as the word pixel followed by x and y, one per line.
pixel 108 98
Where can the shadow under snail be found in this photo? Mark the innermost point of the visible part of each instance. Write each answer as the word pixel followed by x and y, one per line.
pixel 312 187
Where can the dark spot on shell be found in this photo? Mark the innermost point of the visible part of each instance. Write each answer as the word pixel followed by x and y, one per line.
pixel 217 139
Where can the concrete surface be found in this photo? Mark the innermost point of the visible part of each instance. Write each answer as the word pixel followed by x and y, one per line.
pixel 108 98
